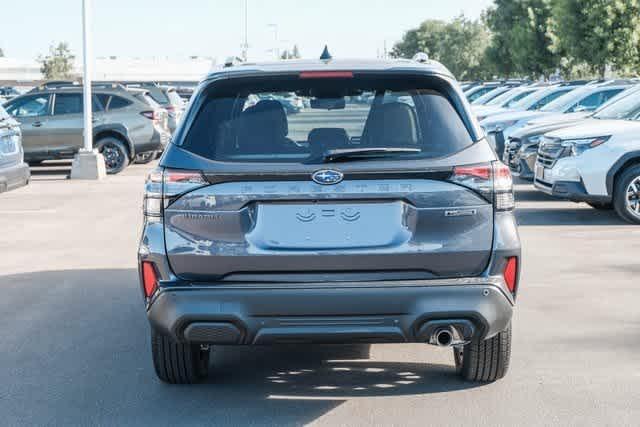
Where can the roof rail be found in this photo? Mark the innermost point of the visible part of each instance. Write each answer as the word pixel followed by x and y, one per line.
pixel 76 85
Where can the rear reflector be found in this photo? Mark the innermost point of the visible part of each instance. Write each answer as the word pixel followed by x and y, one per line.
pixel 511 273
pixel 149 278
pixel 326 75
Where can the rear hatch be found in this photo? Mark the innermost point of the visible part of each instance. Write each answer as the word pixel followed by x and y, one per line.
pixel 363 184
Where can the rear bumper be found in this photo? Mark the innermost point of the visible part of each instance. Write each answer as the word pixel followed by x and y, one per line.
pixel 570 190
pixel 158 142
pixel 14 176
pixel 329 313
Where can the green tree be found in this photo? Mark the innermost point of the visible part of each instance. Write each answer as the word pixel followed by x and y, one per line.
pixel 294 53
pixel 460 45
pixel 598 33
pixel 58 64
pixel 1 53
pixel 520 42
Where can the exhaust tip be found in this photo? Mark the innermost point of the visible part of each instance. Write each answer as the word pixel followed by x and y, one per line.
pixel 443 337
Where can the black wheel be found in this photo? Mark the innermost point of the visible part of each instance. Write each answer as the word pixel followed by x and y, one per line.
pixel 601 206
pixel 626 195
pixel 178 363
pixel 484 361
pixel 144 158
pixel 116 155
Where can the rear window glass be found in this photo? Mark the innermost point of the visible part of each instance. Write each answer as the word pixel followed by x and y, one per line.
pixel 300 120
pixel 118 102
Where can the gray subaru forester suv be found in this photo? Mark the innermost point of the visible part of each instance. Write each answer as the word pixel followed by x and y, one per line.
pixel 389 221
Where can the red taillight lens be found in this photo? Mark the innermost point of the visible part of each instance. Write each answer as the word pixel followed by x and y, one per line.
pixel 326 75
pixel 149 278
pixel 172 176
pixel 511 273
pixel 151 115
pixel 491 180
pixel 476 171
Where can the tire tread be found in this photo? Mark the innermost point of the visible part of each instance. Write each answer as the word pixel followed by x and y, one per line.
pixel 176 362
pixel 487 360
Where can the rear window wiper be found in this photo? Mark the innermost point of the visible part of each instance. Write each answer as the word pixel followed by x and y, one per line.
pixel 342 154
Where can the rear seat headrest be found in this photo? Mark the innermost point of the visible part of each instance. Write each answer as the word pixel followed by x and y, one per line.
pixel 269 113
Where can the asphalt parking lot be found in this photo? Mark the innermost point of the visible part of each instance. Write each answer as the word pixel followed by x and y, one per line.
pixel 75 347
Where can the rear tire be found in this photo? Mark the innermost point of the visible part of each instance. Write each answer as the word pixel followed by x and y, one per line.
pixel 484 361
pixel 176 362
pixel 116 155
pixel 626 195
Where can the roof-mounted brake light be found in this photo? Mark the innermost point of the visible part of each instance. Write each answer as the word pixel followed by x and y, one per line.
pixel 326 75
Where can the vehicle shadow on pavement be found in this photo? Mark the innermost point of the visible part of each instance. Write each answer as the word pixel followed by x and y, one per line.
pixel 328 372
pixel 76 351
pixel 576 216
pixel 532 195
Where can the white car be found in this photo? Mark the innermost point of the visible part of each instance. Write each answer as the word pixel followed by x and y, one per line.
pixel 597 162
pixel 504 102
pixel 560 99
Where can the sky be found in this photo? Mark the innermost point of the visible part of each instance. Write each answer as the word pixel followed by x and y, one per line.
pixel 215 28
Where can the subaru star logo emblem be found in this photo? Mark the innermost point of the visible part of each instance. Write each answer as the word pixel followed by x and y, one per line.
pixel 327 177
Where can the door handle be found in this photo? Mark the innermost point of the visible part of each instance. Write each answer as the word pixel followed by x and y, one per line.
pixel 36 124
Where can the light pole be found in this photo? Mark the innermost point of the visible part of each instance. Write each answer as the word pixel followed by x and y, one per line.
pixel 245 45
pixel 276 49
pixel 88 163
pixel 86 78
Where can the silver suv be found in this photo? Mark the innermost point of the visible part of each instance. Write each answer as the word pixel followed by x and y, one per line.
pixel 388 220
pixel 125 126
pixel 14 172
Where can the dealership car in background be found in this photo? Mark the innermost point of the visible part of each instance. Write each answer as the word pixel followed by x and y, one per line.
pixel 14 172
pixel 522 147
pixel 491 95
pixel 167 97
pixel 477 91
pixel 596 161
pixel 559 99
pixel 7 93
pixel 52 124
pixel 504 102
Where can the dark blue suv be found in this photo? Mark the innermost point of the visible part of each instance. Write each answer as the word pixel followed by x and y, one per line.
pixel 376 213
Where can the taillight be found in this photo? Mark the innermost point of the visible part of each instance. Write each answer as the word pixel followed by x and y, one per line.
pixel 151 115
pixel 491 180
pixel 511 273
pixel 503 187
pixel 163 186
pixel 149 278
